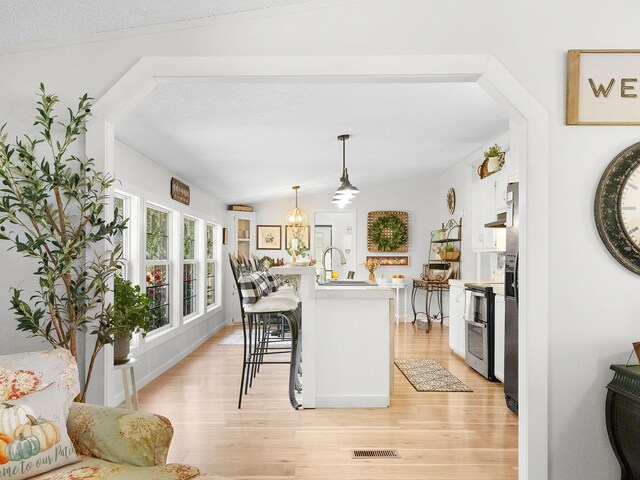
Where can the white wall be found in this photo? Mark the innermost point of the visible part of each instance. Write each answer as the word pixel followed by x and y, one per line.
pixel 140 177
pixel 593 300
pixel 413 195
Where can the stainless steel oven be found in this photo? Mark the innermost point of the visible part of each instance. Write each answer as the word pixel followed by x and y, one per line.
pixel 479 329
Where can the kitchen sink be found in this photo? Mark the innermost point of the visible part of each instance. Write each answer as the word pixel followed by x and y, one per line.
pixel 349 283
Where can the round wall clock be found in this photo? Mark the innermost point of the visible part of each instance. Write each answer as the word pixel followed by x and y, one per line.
pixel 617 208
pixel 451 200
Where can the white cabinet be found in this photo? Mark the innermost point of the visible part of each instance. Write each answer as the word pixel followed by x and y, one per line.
pixel 456 319
pixel 241 241
pixel 498 364
pixel 483 211
pixel 501 192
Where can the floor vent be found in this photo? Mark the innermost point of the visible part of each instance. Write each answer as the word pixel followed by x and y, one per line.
pixel 375 454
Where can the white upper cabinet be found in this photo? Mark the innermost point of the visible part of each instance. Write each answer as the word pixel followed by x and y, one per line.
pixel 489 197
pixel 483 211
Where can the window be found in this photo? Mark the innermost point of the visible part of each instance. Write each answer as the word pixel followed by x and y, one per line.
pixel 121 239
pixel 158 265
pixel 189 268
pixel 211 266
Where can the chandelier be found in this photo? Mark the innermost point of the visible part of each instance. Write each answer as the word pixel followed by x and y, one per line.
pixel 296 218
pixel 345 191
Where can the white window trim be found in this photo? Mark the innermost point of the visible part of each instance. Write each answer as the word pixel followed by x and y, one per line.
pixel 173 323
pixel 216 290
pixel 196 261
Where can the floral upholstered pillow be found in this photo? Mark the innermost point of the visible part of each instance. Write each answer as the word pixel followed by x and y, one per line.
pixel 24 373
pixel 33 435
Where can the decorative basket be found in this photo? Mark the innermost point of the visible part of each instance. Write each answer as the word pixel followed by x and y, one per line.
pixel 444 255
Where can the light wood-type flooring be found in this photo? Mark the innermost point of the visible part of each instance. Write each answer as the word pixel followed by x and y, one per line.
pixel 444 436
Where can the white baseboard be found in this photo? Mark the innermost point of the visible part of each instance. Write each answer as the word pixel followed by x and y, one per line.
pixel 339 401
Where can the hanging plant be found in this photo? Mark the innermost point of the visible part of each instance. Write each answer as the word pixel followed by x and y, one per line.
pixel 389 233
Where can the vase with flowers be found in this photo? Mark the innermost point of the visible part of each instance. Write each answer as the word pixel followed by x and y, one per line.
pixel 371 264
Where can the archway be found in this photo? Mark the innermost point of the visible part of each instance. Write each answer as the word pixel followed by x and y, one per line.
pixel 529 139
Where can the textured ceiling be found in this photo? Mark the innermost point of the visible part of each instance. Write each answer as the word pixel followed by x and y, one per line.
pixel 251 142
pixel 24 21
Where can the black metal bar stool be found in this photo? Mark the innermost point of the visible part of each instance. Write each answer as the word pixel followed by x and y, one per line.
pixel 257 314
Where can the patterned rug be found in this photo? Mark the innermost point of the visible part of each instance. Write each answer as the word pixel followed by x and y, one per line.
pixel 429 376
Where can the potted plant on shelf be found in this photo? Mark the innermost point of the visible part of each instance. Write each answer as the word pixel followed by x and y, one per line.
pixel 131 313
pixel 449 252
pixel 493 161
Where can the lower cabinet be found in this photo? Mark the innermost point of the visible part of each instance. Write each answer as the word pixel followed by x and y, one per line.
pixel 456 319
pixel 498 363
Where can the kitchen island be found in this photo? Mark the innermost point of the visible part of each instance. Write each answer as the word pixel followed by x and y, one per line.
pixel 347 342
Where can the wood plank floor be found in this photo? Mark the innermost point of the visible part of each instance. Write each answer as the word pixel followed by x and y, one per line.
pixel 443 436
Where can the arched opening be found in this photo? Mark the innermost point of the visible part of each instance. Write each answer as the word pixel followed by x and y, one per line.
pixel 528 133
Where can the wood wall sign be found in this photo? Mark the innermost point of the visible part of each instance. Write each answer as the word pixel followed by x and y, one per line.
pixel 397 261
pixel 180 192
pixel 603 87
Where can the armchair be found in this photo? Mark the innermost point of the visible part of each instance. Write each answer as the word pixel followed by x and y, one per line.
pixel 113 443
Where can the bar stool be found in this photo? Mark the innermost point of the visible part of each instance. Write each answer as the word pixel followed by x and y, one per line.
pixel 258 310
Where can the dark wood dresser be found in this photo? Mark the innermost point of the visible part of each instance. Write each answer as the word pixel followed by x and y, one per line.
pixel 623 418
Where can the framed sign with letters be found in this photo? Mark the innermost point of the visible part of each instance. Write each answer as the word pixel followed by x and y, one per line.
pixel 603 87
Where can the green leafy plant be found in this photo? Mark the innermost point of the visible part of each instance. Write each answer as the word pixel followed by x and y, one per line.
pixel 493 151
pixel 300 250
pixel 131 309
pixel 53 212
pixel 450 248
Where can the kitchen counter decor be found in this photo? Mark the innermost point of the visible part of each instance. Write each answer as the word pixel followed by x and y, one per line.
pixel 388 231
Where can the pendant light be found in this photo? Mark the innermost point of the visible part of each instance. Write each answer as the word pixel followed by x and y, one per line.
pixel 295 217
pixel 345 191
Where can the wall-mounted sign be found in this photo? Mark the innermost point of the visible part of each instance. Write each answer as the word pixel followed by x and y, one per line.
pixel 603 87
pixel 180 192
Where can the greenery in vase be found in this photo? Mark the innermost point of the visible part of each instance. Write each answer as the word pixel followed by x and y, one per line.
pixel 131 309
pixel 299 251
pixel 493 151
pixel 53 212
pixel 450 248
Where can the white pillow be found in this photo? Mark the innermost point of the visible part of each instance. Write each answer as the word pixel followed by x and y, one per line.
pixel 33 435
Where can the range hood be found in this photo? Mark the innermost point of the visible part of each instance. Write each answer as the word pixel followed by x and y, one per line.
pixel 500 222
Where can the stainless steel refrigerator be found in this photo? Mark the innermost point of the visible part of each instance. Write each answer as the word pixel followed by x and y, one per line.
pixel 511 301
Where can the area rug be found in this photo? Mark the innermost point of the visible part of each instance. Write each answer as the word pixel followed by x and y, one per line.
pixel 237 338
pixel 429 376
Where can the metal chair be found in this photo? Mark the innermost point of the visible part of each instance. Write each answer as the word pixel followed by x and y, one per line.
pixel 257 319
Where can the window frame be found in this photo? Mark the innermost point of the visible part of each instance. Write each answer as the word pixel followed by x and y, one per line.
pixel 196 261
pixel 168 263
pixel 211 261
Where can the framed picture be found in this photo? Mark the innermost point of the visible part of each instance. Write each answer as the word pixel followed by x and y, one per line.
pixel 305 236
pixel 269 237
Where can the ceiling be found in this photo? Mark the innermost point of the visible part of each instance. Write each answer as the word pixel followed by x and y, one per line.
pixel 251 142
pixel 28 21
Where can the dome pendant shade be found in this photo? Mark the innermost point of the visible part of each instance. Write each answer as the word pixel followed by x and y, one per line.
pixel 346 191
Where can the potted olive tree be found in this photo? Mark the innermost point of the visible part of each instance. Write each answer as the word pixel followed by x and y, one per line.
pixel 54 212
pixel 131 314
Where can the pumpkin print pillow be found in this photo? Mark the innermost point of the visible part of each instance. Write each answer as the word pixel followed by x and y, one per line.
pixel 33 435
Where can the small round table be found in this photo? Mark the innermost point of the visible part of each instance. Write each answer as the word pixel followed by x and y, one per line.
pixel 133 398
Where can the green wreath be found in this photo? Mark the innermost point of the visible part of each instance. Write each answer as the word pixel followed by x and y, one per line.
pixel 388 242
